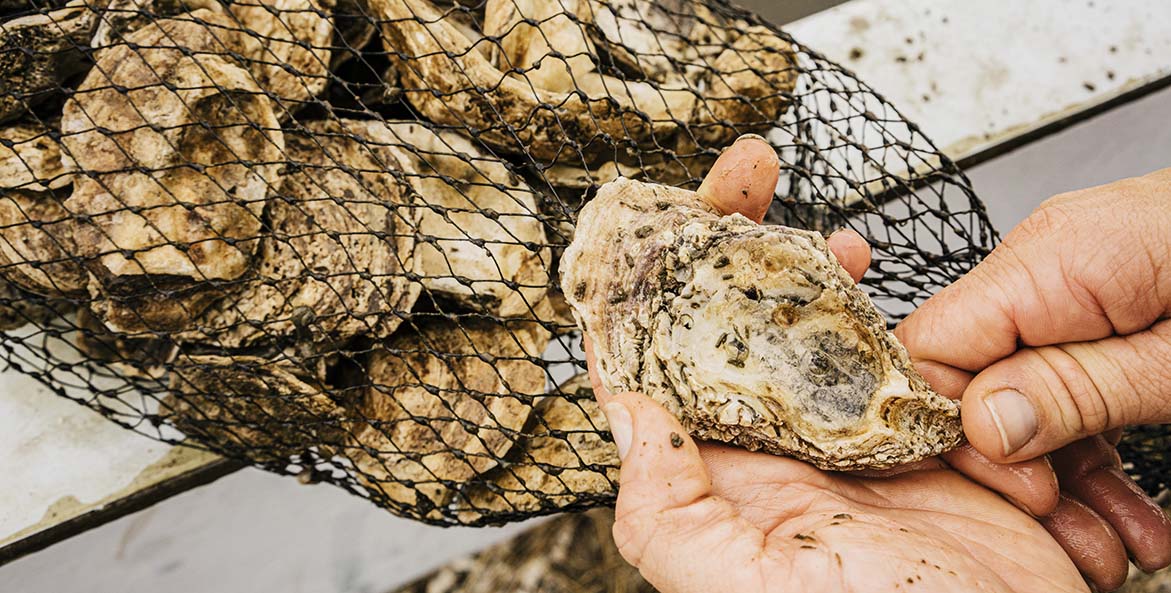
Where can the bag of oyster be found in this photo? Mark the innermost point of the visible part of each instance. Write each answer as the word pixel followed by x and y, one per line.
pixel 326 237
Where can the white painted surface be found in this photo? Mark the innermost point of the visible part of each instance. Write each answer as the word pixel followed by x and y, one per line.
pixel 997 70
pixel 973 73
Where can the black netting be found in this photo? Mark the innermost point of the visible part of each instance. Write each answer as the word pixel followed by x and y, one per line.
pixel 322 237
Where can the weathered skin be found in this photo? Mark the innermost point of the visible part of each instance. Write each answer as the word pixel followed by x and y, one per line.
pixel 265 410
pixel 454 83
pixel 56 39
pixel 335 264
pixel 562 458
pixel 456 184
pixel 194 216
pixel 750 334
pixel 415 447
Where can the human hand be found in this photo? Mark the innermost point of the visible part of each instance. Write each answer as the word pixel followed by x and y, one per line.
pixel 705 517
pixel 1059 339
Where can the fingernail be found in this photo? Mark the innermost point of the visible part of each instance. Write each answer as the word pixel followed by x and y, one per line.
pixel 1014 416
pixel 750 137
pixel 621 426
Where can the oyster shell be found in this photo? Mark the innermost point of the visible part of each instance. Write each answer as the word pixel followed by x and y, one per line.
pixel 30 157
pixel 563 457
pixel 452 82
pixel 121 17
pixel 750 334
pixel 442 406
pixel 39 52
pixel 263 410
pixel 335 264
pixel 36 245
pixel 288 44
pixel 133 356
pixel 179 168
pixel 484 242
pixel 18 308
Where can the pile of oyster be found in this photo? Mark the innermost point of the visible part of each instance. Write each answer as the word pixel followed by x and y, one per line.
pixel 328 228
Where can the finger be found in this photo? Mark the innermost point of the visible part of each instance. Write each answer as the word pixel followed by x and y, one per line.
pixel 852 251
pixel 1090 470
pixel 1113 436
pixel 743 179
pixel 1031 485
pixel 666 517
pixel 600 392
pixel 1041 399
pixel 1089 541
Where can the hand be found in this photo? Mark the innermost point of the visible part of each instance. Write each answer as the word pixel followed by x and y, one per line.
pixel 705 517
pixel 1058 340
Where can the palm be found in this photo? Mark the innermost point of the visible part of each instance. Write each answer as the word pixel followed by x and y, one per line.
pixel 931 530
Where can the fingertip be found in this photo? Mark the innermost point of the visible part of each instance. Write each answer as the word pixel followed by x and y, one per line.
pixel 600 392
pixel 1090 542
pixel 982 430
pixel 743 179
pixel 1031 485
pixel 852 251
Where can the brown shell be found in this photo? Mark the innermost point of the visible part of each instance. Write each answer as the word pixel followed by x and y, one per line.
pixel 335 265
pixel 466 196
pixel 287 43
pixel 452 83
pixel 210 150
pixel 38 53
pixel 564 457
pixel 264 410
pixel 132 356
pixel 443 406
pixel 122 17
pixel 30 157
pixel 36 245
pixel 18 308
pixel 750 334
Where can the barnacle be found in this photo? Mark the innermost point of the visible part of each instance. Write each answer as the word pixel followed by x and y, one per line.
pixel 180 151
pixel 750 334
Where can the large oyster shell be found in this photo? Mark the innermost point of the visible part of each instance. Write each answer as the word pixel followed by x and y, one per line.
pixel 443 405
pixel 564 457
pixel 750 334
pixel 483 242
pixel 260 409
pixel 36 244
pixel 180 150
pixel 288 44
pixel 39 52
pixel 337 259
pixel 30 157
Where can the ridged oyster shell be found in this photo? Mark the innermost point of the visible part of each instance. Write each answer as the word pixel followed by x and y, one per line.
pixel 750 334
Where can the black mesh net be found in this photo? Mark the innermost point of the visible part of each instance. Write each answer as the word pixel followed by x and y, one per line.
pixel 322 237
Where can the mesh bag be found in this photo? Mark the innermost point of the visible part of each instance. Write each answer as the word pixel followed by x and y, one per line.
pixel 321 236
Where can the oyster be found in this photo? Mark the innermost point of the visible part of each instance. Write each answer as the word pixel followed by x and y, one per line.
pixel 442 406
pixel 484 242
pixel 39 52
pixel 563 457
pixel 18 308
pixel 336 262
pixel 264 410
pixel 288 44
pixel 750 334
pixel 448 77
pixel 133 356
pixel 30 157
pixel 121 17
pixel 178 171
pixel 36 245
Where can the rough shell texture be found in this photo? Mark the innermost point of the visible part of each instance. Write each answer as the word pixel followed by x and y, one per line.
pixel 750 334
pixel 18 308
pixel 443 406
pixel 132 356
pixel 195 215
pixel 264 410
pixel 122 17
pixel 453 83
pixel 335 263
pixel 57 40
pixel 30 157
pixel 36 244
pixel 564 456
pixel 288 47
pixel 467 196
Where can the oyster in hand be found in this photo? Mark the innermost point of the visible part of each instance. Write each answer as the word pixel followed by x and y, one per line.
pixel 750 334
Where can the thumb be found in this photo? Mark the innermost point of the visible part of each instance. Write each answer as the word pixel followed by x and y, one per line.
pixel 667 522
pixel 1041 399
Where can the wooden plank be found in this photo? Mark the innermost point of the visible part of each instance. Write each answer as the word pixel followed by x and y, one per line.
pixel 979 77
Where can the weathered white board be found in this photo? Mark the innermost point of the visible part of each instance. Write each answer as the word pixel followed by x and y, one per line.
pixel 974 75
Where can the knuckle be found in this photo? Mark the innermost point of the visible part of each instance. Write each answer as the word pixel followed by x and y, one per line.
pixel 1084 407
